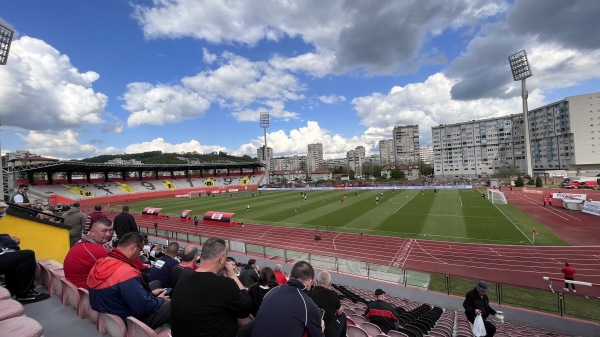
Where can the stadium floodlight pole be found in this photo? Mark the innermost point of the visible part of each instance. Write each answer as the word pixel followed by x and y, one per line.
pixel 519 65
pixel 6 36
pixel 264 123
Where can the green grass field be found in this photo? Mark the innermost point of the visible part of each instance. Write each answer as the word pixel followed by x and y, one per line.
pixel 448 215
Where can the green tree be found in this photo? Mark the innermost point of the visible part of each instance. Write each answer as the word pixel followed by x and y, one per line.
pixel 376 171
pixel 425 169
pixel 507 171
pixel 519 182
pixel 397 174
pixel 539 182
pixel 367 169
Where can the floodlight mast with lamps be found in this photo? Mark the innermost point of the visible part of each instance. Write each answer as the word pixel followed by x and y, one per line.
pixel 519 65
pixel 6 36
pixel 264 123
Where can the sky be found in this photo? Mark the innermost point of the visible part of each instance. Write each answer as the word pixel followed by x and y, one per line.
pixel 86 78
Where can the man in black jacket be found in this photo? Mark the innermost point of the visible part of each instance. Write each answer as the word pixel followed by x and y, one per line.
pixel 249 274
pixel 381 313
pixel 288 310
pixel 124 223
pixel 477 303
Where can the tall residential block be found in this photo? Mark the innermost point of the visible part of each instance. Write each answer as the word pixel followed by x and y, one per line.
pixel 314 157
pixel 406 144
pixel 386 152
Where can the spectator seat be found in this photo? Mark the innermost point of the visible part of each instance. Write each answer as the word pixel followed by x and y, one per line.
pixel 111 324
pixel 136 328
pixel 70 294
pixel 371 329
pixel 354 331
pixel 21 326
pixel 84 309
pixel 10 308
pixel 4 294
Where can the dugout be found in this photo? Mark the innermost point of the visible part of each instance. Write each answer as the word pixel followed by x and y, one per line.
pixel 223 219
pixel 151 212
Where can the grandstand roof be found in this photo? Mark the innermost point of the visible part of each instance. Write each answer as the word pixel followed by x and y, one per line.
pixel 82 167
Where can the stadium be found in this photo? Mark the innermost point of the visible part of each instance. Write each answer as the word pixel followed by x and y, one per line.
pixel 423 244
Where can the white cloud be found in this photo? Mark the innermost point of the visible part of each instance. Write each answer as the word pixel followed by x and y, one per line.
pixel 161 104
pixel 61 145
pixel 239 82
pixel 314 64
pixel 296 142
pixel 331 99
pixel 429 104
pixel 159 144
pixel 207 57
pixel 42 90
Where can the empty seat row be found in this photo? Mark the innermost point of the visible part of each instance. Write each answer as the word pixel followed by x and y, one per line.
pixel 12 319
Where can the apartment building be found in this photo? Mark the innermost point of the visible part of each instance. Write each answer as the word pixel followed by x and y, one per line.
pixel 564 137
pixel 406 144
pixel 314 157
pixel 356 159
pixel 386 152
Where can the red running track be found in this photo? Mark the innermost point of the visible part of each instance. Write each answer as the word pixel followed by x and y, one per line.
pixel 518 265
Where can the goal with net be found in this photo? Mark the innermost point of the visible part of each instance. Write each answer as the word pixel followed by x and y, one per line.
pixel 496 197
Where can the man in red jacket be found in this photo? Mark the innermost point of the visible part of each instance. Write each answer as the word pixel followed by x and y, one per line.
pixel 83 255
pixel 281 279
pixel 569 273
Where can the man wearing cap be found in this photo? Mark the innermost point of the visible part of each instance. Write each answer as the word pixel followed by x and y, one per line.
pixel 477 303
pixel 382 313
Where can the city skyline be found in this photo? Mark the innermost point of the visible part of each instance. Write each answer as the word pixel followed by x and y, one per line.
pixel 89 78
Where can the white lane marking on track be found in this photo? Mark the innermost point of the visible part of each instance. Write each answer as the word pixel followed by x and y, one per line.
pixel 334 247
pixel 265 233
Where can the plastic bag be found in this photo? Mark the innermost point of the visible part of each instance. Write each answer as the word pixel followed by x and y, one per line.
pixel 479 327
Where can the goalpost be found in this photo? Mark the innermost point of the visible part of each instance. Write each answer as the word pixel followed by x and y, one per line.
pixel 496 197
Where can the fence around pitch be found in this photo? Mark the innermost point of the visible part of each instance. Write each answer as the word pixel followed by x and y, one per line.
pixel 556 302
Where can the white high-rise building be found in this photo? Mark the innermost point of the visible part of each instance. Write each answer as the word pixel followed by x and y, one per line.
pixel 314 158
pixel 426 154
pixel 478 148
pixel 356 158
pixel 406 144
pixel 564 136
pixel 386 152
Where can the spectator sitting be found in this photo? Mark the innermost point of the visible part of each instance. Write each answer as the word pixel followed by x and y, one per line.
pixel 249 274
pixel 328 300
pixel 281 279
pixel 206 304
pixel 161 270
pixel 7 240
pixel 290 308
pixel 187 265
pixel 83 255
pixel 18 267
pixel 266 281
pixel 116 286
pixel 382 313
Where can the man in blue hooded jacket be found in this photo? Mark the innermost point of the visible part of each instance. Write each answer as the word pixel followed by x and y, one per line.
pixel 116 286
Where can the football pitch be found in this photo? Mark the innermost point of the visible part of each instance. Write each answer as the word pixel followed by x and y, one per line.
pixel 448 215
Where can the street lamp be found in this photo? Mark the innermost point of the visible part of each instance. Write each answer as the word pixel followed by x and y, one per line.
pixel 264 123
pixel 519 65
pixel 6 36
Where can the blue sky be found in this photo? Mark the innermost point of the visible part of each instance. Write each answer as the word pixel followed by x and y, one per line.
pixel 94 77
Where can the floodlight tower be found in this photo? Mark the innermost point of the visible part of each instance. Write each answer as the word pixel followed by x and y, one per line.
pixel 519 65
pixel 264 123
pixel 6 36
